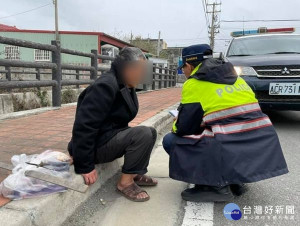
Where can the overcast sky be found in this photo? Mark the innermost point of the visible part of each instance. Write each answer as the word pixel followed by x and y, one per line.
pixel 182 22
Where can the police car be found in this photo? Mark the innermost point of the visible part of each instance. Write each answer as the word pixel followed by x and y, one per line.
pixel 270 64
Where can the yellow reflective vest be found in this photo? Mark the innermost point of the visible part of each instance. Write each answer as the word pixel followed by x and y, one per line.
pixel 213 96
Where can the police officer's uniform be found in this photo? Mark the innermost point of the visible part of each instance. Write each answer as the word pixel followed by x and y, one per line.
pixel 221 136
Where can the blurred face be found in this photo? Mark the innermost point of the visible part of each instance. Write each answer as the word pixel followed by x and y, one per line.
pixel 134 73
pixel 187 70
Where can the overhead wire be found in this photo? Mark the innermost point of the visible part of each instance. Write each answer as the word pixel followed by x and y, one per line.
pixel 23 12
pixel 204 4
pixel 248 21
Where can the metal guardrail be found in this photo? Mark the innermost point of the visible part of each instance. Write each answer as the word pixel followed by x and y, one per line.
pixel 164 77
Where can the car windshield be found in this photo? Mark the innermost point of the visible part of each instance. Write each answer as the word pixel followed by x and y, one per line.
pixel 262 45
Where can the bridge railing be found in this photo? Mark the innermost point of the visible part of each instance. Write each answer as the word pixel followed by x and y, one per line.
pixel 162 77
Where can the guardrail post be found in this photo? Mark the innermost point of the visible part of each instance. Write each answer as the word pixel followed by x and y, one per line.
pixel 8 73
pixel 94 64
pixel 170 77
pixel 77 77
pixel 160 78
pixel 164 78
pixel 144 87
pixel 38 74
pixel 56 74
pixel 154 77
pixel 174 71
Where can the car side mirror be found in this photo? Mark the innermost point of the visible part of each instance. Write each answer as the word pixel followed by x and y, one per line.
pixel 219 56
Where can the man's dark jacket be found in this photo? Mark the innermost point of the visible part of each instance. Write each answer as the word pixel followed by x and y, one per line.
pixel 104 108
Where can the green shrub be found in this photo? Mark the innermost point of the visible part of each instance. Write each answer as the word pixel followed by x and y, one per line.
pixel 68 96
pixel 20 104
pixel 43 96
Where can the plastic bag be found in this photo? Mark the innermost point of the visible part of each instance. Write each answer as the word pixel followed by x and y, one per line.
pixel 18 186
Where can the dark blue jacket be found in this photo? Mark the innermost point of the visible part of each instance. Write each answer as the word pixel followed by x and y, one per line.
pixel 230 146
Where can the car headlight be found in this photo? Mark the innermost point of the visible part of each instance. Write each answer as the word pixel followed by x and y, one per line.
pixel 245 71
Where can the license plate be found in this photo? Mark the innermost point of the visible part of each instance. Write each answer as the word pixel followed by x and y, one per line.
pixel 284 89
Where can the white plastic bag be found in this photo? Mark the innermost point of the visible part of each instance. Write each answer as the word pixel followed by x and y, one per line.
pixel 18 186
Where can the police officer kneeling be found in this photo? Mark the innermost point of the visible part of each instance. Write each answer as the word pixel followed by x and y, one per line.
pixel 221 139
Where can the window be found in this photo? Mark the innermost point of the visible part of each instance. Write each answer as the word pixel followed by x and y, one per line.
pixel 42 55
pixel 12 52
pixel 262 45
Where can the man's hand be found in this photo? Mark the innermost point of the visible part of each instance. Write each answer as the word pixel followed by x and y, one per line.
pixel 90 178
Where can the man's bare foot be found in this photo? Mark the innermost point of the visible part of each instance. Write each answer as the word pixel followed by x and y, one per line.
pixel 126 181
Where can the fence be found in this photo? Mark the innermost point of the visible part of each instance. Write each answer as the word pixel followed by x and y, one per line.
pixel 161 77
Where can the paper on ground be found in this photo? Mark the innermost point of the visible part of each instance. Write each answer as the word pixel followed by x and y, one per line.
pixel 174 113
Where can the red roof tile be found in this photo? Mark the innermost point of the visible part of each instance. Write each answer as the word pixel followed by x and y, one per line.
pixel 4 27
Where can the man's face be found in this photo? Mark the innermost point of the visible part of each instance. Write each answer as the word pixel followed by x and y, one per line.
pixel 135 72
pixel 187 70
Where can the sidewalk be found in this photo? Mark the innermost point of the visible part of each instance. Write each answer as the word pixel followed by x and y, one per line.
pixel 52 130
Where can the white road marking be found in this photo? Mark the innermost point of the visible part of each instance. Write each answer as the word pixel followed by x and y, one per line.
pixel 198 214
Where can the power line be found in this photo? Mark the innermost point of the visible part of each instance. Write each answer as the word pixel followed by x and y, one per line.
pixel 214 9
pixel 247 21
pixel 222 39
pixel 248 28
pixel 27 11
pixel 204 4
pixel 180 39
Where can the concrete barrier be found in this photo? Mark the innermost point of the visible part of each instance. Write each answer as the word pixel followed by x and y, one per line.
pixel 6 104
pixel 52 210
pixel 28 100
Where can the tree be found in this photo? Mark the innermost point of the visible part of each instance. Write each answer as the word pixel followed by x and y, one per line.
pixel 145 44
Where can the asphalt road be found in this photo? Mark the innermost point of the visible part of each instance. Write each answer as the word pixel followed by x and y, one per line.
pixel 165 207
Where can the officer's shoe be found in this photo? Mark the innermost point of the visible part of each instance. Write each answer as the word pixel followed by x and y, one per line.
pixel 238 189
pixel 203 193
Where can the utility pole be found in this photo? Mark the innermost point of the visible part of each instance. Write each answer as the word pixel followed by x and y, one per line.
pixel 243 25
pixel 214 9
pixel 158 44
pixel 56 20
pixel 212 27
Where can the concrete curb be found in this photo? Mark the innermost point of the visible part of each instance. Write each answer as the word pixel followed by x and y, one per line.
pixel 52 210
pixel 21 114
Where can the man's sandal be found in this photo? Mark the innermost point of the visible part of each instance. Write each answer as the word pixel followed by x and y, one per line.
pixel 132 191
pixel 144 180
